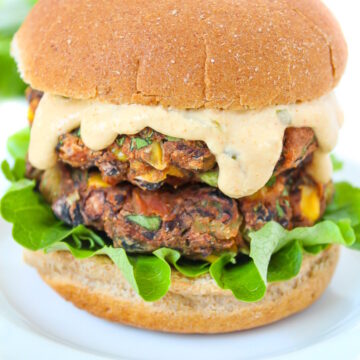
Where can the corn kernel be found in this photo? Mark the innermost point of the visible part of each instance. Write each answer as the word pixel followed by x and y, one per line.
pixel 121 156
pixel 97 182
pixel 31 116
pixel 310 203
pixel 156 158
pixel 174 171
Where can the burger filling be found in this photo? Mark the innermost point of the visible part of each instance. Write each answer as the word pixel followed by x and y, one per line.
pixel 239 195
pixel 148 191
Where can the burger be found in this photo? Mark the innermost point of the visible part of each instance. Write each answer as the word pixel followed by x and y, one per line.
pixel 176 173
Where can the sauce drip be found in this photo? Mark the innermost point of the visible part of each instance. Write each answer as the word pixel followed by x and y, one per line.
pixel 247 144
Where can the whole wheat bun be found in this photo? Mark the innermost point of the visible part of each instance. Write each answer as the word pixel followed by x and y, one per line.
pixel 182 53
pixel 191 305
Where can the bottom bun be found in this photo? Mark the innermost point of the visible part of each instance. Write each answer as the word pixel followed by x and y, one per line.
pixel 191 305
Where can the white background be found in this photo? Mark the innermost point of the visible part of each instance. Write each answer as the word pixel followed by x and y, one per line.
pixel 348 14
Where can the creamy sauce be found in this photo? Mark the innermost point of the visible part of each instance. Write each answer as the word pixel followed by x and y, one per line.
pixel 247 144
pixel 321 167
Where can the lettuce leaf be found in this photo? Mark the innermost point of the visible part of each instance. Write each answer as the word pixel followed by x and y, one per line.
pixel 35 226
pixel 188 268
pixel 345 210
pixel 273 237
pixel 16 173
pixel 345 205
pixel 275 253
pixel 10 82
pixel 286 263
pixel 356 245
pixel 12 14
pixel 241 277
pixel 336 163
pixel 18 144
pixel 148 275
pixel 316 249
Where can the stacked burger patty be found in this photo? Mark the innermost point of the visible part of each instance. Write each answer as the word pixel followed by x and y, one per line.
pixel 148 190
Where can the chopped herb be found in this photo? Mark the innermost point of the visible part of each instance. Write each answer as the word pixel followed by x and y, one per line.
pixel 210 177
pixel 271 181
pixel 171 138
pixel 151 223
pixel 305 148
pixel 279 209
pixel 257 207
pixel 139 143
pixel 216 123
pixel 217 206
pixel 285 192
pixel 120 141
pixel 284 116
pixel 77 132
pixel 287 203
pixel 303 151
pixel 148 134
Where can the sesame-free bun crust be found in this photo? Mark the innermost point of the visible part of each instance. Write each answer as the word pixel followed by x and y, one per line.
pixel 182 53
pixel 191 305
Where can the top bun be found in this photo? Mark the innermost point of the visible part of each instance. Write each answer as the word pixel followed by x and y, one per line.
pixel 224 54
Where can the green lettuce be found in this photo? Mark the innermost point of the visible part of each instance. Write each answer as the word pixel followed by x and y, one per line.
pixel 12 14
pixel 10 82
pixel 273 237
pixel 276 254
pixel 286 263
pixel 190 269
pixel 36 228
pixel 241 276
pixel 16 173
pixel 345 210
pixel 18 144
pixel 148 275
pixel 336 163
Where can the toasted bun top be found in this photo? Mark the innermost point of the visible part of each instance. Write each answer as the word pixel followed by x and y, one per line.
pixel 188 54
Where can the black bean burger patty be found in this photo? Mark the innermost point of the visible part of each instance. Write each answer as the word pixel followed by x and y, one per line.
pixel 197 220
pixel 150 160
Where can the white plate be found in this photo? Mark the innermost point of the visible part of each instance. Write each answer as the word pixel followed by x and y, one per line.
pixel 35 323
